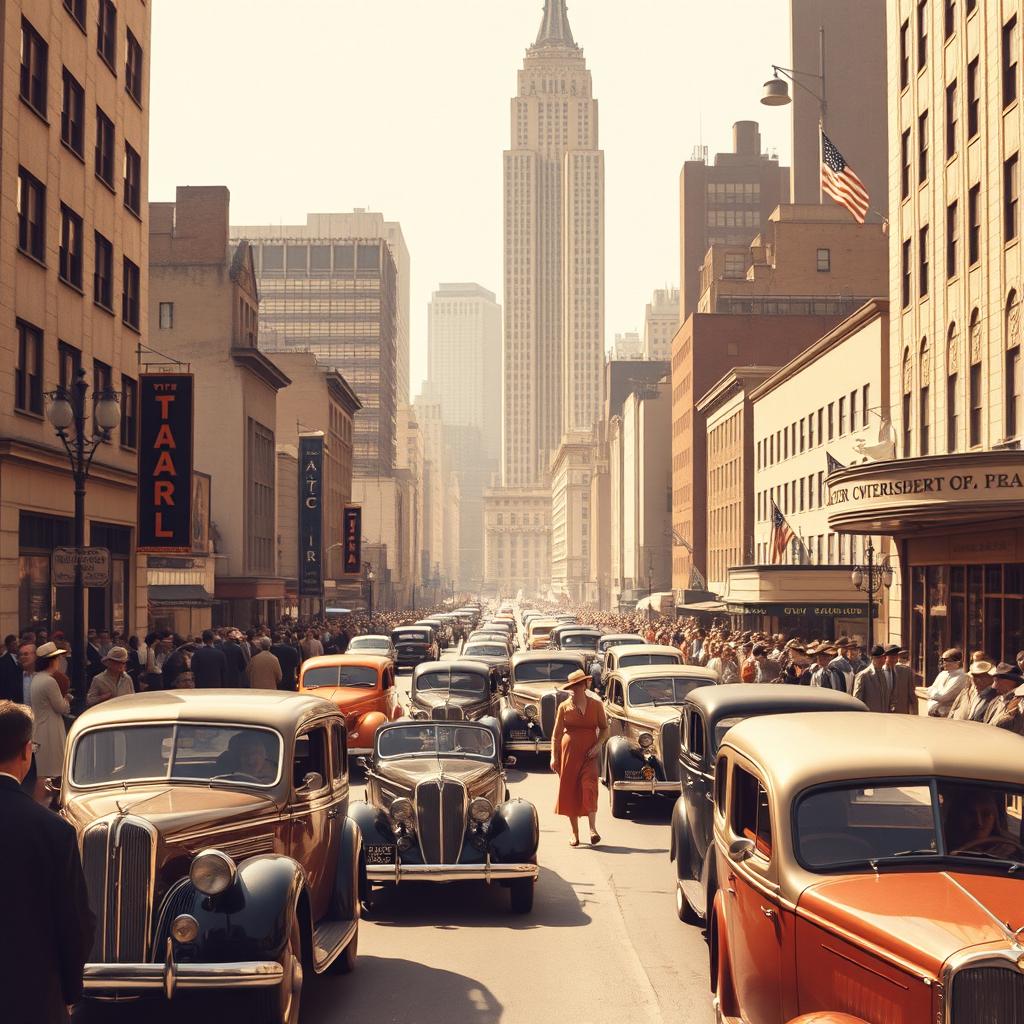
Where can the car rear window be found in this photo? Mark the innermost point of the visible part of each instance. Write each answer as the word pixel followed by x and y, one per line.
pixel 649 659
pixel 579 640
pixel 417 636
pixel 339 675
pixel 543 671
pixel 486 651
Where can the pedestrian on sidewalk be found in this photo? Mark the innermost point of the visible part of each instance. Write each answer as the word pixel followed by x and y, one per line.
pixel 50 926
pixel 209 666
pixel 581 727
pixel 113 681
pixel 264 670
pixel 49 706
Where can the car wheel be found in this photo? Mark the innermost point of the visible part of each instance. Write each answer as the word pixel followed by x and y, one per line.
pixel 280 1005
pixel 521 895
pixel 346 962
pixel 683 909
pixel 617 800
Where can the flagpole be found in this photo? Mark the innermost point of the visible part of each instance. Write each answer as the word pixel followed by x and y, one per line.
pixel 821 113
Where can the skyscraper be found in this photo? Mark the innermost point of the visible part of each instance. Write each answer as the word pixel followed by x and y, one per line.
pixel 554 254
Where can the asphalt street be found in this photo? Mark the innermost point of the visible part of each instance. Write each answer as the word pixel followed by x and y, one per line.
pixel 603 943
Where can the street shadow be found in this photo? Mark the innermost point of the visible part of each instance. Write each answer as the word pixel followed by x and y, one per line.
pixel 605 848
pixel 478 905
pixel 650 810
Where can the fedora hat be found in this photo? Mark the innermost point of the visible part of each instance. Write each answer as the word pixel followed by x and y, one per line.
pixel 1004 670
pixel 577 678
pixel 117 654
pixel 980 668
pixel 49 650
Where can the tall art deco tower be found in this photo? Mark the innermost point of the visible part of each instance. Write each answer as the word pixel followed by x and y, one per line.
pixel 554 255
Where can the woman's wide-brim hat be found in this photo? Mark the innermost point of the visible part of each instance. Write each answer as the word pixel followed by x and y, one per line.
pixel 49 650
pixel 577 678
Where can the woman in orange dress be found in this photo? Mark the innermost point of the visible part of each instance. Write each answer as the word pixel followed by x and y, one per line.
pixel 580 728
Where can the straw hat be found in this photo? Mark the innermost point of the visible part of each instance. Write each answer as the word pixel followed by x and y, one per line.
pixel 577 678
pixel 49 650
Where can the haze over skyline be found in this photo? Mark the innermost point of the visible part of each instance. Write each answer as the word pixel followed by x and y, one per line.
pixel 324 119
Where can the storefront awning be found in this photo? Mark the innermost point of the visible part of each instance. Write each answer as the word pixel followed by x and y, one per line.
pixel 180 596
pixel 704 606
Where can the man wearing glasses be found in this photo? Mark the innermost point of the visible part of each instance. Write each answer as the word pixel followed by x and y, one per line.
pixel 41 959
pixel 948 683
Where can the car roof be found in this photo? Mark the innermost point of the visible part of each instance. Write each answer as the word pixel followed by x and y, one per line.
pixel 548 655
pixel 462 664
pixel 615 636
pixel 767 698
pixel 377 661
pixel 420 627
pixel 571 627
pixel 648 649
pixel 849 745
pixel 371 636
pixel 278 709
pixel 544 622
pixel 630 673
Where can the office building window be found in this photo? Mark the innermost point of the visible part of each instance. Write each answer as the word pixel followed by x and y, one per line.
pixel 905 164
pixel 1011 196
pixel 130 295
pixel 103 273
pixel 34 56
pixel 951 119
pixel 853 410
pixel 922 148
pixel 70 269
pixel 69 362
pixel 132 179
pixel 129 412
pixel 973 100
pixel 106 32
pixel 31 205
pixel 950 17
pixel 76 8
pixel 28 373
pixel 842 416
pixel 922 33
pixel 904 54
pixel 824 261
pixel 952 239
pixel 905 273
pixel 866 391
pixel 72 115
pixel 923 402
pixel 952 411
pixel 976 405
pixel 133 68
pixel 166 316
pixel 974 225
pixel 831 420
pixel 104 148
pixel 1013 391
pixel 1010 47
pixel 922 260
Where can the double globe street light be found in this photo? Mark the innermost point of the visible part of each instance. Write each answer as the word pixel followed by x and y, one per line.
pixel 871 579
pixel 67 415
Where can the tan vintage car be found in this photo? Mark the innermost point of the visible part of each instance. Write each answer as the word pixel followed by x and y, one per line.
pixel 216 843
pixel 870 869
pixel 533 695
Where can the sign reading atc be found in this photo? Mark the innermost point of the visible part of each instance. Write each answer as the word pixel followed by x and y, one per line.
pixel 95 566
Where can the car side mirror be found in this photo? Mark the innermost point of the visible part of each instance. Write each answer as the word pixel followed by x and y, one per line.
pixel 510 761
pixel 311 782
pixel 741 850
pixel 363 764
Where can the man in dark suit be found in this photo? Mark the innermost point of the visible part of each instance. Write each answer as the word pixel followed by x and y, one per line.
pixel 10 671
pixel 288 658
pixel 236 662
pixel 209 665
pixel 902 698
pixel 50 926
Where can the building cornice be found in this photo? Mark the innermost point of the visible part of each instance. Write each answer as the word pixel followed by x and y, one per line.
pixel 340 388
pixel 256 362
pixel 740 378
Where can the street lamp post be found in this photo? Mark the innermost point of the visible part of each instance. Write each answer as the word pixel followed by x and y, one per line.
pixel 369 586
pixel 65 412
pixel 871 579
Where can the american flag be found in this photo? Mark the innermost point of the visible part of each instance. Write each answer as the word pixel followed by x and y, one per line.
pixel 782 535
pixel 839 181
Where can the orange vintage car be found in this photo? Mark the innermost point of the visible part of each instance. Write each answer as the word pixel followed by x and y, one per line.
pixel 871 869
pixel 363 688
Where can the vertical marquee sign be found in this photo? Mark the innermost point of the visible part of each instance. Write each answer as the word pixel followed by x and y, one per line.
pixel 352 540
pixel 311 514
pixel 165 462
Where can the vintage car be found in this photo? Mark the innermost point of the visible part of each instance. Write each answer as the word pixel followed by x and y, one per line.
pixel 438 810
pixel 533 695
pixel 494 653
pixel 570 637
pixel 616 640
pixel 442 632
pixel 455 690
pixel 705 718
pixel 361 686
pixel 371 643
pixel 414 644
pixel 641 755
pixel 538 634
pixel 492 636
pixel 627 655
pixel 216 844
pixel 870 868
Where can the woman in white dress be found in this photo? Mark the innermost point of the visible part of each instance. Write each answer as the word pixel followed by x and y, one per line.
pixel 48 709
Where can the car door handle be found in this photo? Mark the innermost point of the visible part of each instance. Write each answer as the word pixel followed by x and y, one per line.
pixel 768 912
pixel 710 799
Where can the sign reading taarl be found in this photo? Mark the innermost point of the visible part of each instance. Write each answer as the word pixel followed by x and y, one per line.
pixel 165 462
pixel 311 516
pixel 352 534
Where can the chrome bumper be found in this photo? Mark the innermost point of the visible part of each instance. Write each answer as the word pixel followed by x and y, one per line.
pixel 528 746
pixel 654 786
pixel 487 872
pixel 169 976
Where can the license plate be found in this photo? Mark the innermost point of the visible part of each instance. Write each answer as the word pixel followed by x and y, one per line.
pixel 380 854
pixel 519 734
pixel 633 775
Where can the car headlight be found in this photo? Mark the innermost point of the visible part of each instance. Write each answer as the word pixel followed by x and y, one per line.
pixel 480 809
pixel 530 711
pixel 212 872
pixel 645 739
pixel 420 715
pixel 402 811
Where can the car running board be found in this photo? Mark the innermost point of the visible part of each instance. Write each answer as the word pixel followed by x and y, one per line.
pixel 329 941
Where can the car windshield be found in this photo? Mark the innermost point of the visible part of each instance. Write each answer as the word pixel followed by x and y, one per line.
pixel 233 755
pixel 460 681
pixel 414 636
pixel 544 671
pixel 648 659
pixel 867 824
pixel 434 740
pixel 616 641
pixel 539 630
pixel 381 643
pixel 339 675
pixel 667 690
pixel 485 651
pixel 578 641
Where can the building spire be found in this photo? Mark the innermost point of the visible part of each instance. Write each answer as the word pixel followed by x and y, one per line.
pixel 554 27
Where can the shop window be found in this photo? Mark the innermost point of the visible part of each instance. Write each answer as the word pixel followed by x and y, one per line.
pixel 40 605
pixel 107 606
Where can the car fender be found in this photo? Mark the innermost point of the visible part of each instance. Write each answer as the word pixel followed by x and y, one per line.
pixel 373 824
pixel 366 728
pixel 620 755
pixel 677 844
pixel 512 719
pixel 495 726
pixel 349 873
pixel 250 921
pixel 514 832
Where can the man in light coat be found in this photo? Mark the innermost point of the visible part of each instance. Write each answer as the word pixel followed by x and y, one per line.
pixel 948 684
pixel 870 685
pixel 113 681
pixel 971 704
pixel 264 670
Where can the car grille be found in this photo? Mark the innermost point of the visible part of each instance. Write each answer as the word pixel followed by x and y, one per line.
pixel 117 858
pixel 447 713
pixel 984 994
pixel 548 708
pixel 670 750
pixel 441 820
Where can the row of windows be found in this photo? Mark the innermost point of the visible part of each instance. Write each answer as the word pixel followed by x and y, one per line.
pixel 950 26
pixel 819 549
pixel 816 428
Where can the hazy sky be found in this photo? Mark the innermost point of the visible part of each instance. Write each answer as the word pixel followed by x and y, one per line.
pixel 402 106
